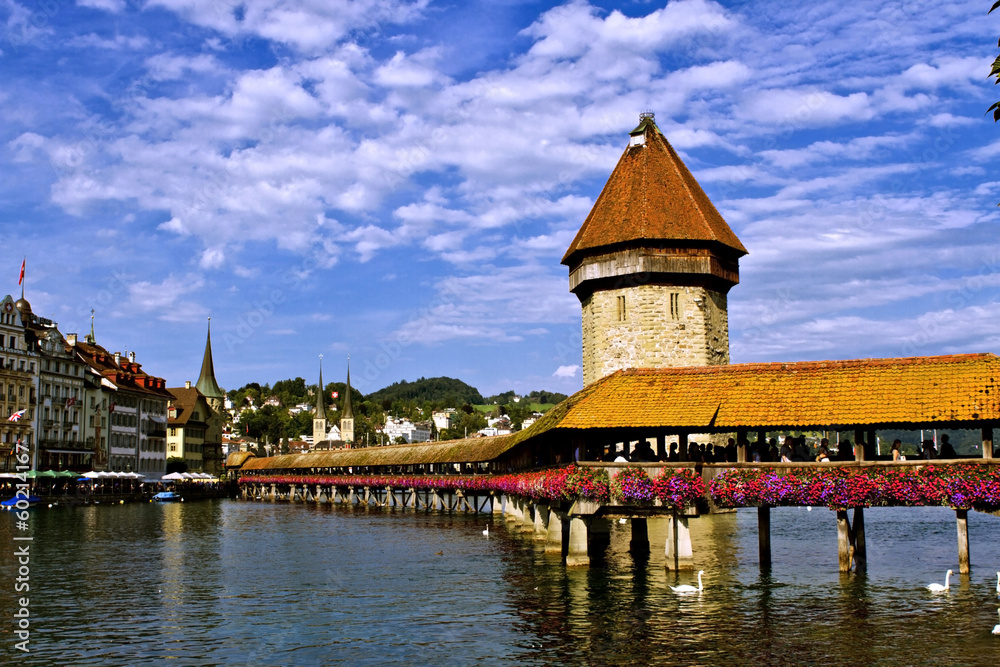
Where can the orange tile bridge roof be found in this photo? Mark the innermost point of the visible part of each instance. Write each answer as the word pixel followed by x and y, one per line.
pixel 957 391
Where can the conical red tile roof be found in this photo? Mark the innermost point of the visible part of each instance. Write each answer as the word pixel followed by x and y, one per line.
pixel 651 197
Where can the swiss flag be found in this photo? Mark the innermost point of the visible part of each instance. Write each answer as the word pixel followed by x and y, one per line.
pixel 20 278
pixel 334 394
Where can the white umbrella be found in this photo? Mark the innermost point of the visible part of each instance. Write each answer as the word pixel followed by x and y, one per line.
pixel 173 476
pixel 92 475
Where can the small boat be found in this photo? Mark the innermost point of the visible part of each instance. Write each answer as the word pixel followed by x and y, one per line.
pixel 166 497
pixel 11 503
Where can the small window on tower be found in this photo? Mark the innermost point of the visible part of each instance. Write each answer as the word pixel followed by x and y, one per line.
pixel 621 308
pixel 675 306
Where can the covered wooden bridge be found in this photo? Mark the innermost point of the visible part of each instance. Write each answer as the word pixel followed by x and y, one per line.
pixel 659 406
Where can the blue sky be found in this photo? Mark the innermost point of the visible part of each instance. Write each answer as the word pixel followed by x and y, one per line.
pixel 397 180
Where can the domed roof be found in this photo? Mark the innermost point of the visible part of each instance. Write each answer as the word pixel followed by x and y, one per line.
pixel 23 306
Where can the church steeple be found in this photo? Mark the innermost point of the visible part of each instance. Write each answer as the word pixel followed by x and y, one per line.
pixel 347 415
pixel 320 398
pixel 206 380
pixel 348 412
pixel 319 419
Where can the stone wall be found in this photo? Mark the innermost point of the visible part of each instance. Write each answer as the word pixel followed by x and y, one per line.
pixel 652 332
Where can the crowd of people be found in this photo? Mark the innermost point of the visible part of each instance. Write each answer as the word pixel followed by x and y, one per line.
pixel 792 449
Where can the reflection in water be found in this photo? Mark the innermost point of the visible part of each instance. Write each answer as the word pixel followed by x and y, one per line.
pixel 224 582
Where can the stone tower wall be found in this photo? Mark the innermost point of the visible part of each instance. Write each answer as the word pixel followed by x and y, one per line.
pixel 652 332
pixel 319 429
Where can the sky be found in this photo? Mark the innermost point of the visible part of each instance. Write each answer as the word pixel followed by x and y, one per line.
pixel 396 181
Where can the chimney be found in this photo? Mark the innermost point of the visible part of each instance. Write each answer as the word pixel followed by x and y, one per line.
pixel 187 384
pixel 118 355
pixel 131 356
pixel 71 338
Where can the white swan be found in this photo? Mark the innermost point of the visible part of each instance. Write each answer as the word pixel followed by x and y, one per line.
pixel 998 583
pixel 996 628
pixel 685 589
pixel 938 588
pixel 487 531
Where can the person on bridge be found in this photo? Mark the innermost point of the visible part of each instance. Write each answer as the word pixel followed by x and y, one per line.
pixel 772 451
pixel 896 454
pixel 947 451
pixel 824 451
pixel 787 450
pixel 643 452
pixel 801 451
pixel 929 451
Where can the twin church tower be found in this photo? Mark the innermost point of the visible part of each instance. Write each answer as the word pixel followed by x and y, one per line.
pixel 652 265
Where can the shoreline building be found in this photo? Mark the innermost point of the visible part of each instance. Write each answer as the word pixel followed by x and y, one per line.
pixel 58 439
pixel 194 418
pixel 652 265
pixel 18 386
pixel 125 421
pixel 187 425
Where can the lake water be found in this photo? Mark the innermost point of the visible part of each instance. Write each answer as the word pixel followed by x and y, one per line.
pixel 242 583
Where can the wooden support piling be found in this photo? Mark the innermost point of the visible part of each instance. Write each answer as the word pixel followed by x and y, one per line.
pixel 639 542
pixel 987 433
pixel 764 537
pixel 860 550
pixel 845 552
pixel 962 521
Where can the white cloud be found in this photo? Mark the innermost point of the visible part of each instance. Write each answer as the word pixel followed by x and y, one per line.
pixel 418 70
pixel 796 108
pixel 107 5
pixel 308 25
pixel 117 43
pixel 164 299
pixel 165 66
pixel 567 371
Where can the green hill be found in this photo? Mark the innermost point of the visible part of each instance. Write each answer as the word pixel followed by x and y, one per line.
pixel 448 391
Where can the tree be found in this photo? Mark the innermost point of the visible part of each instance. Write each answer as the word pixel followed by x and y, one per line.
pixel 176 464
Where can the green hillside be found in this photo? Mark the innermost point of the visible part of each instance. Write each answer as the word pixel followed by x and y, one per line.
pixel 445 390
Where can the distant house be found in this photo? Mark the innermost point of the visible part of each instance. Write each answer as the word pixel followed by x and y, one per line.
pixel 443 418
pixel 274 401
pixel 404 428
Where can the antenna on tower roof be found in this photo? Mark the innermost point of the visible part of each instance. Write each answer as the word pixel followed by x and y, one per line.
pixel 647 115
